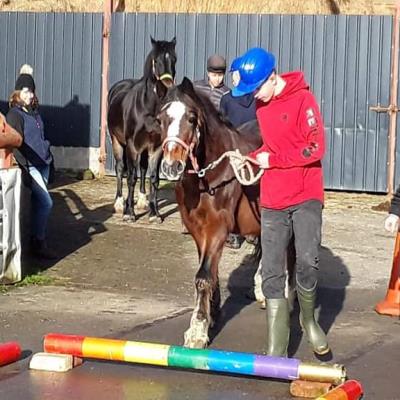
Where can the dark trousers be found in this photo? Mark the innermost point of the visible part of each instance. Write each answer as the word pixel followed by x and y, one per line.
pixel 303 221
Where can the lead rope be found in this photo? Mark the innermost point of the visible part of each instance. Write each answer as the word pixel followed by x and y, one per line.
pixel 241 165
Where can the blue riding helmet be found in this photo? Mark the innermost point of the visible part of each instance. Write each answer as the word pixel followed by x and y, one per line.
pixel 255 67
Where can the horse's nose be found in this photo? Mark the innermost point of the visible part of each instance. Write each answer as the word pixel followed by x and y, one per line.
pixel 172 170
pixel 167 80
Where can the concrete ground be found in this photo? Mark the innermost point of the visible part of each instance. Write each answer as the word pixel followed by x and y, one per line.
pixel 135 282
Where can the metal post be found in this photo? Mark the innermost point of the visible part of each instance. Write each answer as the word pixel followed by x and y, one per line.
pixel 393 100
pixel 108 4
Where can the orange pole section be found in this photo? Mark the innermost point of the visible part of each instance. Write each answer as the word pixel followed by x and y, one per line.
pixel 107 349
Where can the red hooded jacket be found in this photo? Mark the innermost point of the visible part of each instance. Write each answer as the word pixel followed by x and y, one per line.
pixel 293 134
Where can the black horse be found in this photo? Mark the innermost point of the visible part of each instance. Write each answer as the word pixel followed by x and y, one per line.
pixel 135 133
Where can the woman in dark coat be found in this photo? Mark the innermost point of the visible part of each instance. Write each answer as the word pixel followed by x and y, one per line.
pixel 34 156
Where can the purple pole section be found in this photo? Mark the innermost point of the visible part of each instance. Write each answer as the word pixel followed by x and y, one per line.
pixel 276 367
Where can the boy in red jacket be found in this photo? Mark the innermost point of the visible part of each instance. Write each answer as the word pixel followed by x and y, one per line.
pixel 291 191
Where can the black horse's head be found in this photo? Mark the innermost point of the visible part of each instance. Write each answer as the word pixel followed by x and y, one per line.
pixel 182 121
pixel 160 62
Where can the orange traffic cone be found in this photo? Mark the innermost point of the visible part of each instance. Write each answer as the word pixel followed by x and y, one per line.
pixel 391 304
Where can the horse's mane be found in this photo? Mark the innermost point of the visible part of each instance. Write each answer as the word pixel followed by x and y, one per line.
pixel 215 120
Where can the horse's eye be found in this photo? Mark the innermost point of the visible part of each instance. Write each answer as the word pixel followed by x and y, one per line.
pixel 192 120
pixel 158 120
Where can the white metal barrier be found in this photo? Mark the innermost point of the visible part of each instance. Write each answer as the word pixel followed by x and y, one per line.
pixel 10 225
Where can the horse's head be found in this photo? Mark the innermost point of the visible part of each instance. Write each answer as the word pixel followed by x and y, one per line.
pixel 160 63
pixel 181 119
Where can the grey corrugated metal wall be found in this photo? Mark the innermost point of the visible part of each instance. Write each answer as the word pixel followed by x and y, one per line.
pixel 65 51
pixel 346 60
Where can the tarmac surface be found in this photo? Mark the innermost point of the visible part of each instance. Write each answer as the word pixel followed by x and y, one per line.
pixel 135 282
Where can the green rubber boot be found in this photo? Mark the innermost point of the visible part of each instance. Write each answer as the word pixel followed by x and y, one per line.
pixel 316 336
pixel 278 327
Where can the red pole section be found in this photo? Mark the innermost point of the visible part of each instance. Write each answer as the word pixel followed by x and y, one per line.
pixel 9 352
pixel 350 390
pixel 104 83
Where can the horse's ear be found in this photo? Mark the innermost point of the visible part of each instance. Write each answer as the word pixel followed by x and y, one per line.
pixel 187 85
pixel 153 42
pixel 173 41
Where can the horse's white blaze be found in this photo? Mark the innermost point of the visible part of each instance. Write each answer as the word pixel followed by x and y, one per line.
pixel 175 111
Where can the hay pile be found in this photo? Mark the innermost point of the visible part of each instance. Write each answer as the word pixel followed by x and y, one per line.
pixel 209 6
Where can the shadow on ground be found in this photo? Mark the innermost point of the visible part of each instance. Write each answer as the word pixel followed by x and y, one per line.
pixel 329 304
pixel 75 220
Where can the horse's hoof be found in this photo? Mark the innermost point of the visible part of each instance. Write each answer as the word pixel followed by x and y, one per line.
pixel 194 341
pixel 262 304
pixel 129 218
pixel 195 344
pixel 119 205
pixel 142 202
pixel 155 219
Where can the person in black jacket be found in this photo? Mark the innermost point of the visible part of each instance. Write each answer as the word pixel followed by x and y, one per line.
pixel 34 156
pixel 213 87
pixel 237 110
pixel 392 220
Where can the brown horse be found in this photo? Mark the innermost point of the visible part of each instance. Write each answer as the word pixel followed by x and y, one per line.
pixel 212 206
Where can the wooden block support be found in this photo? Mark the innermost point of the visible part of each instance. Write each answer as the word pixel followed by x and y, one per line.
pixel 54 362
pixel 308 389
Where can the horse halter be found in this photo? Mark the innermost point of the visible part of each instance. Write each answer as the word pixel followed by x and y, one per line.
pixel 188 149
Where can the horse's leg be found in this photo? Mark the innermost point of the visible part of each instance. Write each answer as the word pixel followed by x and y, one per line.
pixel 290 289
pixel 258 294
pixel 132 159
pixel 118 152
pixel 207 301
pixel 142 202
pixel 154 158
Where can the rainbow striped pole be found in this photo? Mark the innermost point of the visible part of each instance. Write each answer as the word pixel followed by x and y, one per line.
pixel 203 359
pixel 350 390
